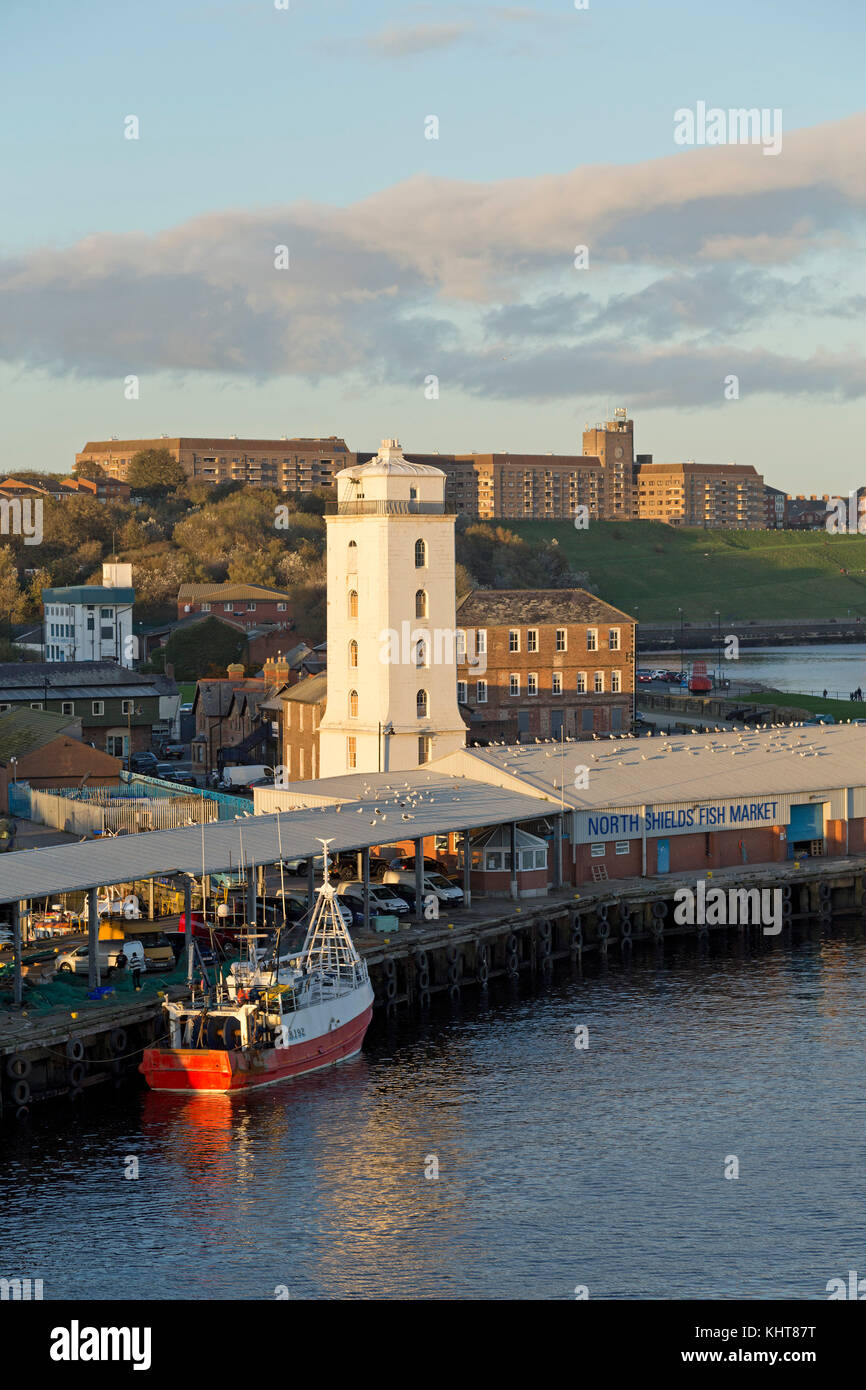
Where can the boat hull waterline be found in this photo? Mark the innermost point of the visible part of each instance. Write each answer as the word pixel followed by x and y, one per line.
pixel 215 1069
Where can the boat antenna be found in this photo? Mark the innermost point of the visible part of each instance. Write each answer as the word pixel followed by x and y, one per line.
pixel 282 877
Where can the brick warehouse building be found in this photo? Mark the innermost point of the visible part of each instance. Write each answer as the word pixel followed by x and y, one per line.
pixel 555 662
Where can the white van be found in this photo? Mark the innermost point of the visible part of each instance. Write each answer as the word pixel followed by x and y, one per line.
pixel 77 961
pixel 433 883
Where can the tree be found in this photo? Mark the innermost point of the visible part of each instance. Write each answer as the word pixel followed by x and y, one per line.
pixel 11 598
pixel 154 471
pixel 90 469
pixel 39 580
pixel 205 649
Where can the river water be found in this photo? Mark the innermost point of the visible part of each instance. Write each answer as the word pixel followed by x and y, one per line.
pixel 558 1167
pixel 838 669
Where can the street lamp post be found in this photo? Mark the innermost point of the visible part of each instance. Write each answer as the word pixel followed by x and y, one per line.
pixel 719 647
pixel 682 652
pixel 132 707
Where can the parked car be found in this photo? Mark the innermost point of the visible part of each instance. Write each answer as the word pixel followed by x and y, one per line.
pixel 174 774
pixel 445 891
pixel 407 862
pixel 298 908
pixel 185 709
pixel 644 678
pixel 77 961
pixel 143 762
pixel 299 867
pixel 175 750
pixel 381 899
pixel 378 868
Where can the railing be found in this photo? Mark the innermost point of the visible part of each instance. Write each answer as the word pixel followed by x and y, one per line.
pixel 384 507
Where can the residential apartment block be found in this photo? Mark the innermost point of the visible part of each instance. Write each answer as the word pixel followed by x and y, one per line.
pixel 543 663
pixel 608 478
pixel 728 496
pixel 285 465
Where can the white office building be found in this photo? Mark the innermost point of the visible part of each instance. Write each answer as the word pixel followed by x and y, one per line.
pixel 91 622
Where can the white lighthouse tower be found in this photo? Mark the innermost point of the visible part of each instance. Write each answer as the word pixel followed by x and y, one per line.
pixel 392 661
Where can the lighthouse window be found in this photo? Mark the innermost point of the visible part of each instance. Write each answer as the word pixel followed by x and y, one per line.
pixel 420 603
pixel 353 704
pixel 420 554
pixel 353 653
pixel 421 704
pixel 353 603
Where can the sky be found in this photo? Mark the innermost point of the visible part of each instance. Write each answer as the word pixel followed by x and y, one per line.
pixel 430 288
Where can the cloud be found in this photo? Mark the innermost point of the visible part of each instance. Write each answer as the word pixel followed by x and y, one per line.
pixel 475 282
pixel 405 41
pixel 479 24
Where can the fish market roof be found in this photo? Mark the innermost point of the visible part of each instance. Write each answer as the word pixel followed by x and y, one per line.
pixel 669 767
pixel 438 804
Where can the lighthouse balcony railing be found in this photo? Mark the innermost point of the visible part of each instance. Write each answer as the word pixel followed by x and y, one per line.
pixel 384 507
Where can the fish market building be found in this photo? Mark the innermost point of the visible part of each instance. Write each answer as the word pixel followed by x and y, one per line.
pixel 669 803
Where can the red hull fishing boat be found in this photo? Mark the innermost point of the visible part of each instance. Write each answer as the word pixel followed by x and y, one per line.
pixel 271 1019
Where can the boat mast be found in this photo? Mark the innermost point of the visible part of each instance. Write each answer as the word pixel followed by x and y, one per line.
pixel 328 943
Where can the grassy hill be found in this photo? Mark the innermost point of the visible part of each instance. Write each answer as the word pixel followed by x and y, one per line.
pixel 651 568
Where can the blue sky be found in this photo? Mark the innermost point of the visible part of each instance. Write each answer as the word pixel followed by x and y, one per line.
pixel 451 257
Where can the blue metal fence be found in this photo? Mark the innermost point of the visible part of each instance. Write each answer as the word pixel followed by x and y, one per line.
pixel 19 800
pixel 137 784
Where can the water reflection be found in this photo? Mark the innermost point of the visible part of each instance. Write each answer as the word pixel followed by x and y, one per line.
pixel 555 1167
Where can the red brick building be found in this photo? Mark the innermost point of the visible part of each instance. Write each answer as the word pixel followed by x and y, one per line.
pixel 245 605
pixel 540 663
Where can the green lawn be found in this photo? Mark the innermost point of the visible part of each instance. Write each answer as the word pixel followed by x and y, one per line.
pixel 649 569
pixel 187 692
pixel 840 709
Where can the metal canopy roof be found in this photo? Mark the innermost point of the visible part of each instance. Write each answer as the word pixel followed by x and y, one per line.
pixel 669 767
pixel 461 805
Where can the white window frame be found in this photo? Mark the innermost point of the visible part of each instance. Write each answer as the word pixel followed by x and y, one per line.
pixel 514 639
pixel 514 683
pixel 581 682
pixel 562 638
pixel 592 639
pixel 532 639
pixel 481 641
pixel 481 692
pixel 623 846
pixel 462 692
pixel 616 682
pixel 532 683
pixel 613 640
pixel 598 683
pixel 597 851
pixel 556 683
pixel 67 707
